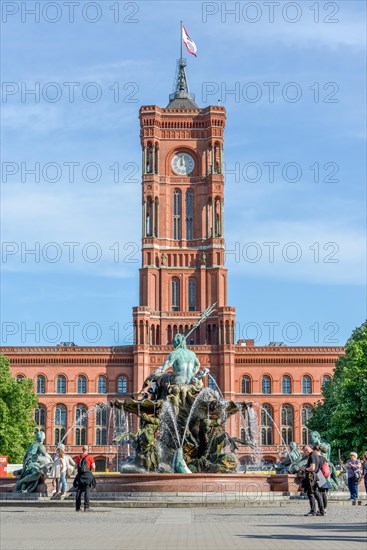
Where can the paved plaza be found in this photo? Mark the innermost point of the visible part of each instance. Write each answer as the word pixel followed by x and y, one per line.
pixel 182 528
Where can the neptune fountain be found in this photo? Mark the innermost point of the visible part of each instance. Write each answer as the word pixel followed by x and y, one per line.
pixel 182 423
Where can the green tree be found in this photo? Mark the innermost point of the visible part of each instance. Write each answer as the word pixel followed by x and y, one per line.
pixel 17 402
pixel 341 416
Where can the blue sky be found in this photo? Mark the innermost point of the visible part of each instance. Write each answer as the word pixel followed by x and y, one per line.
pixel 312 209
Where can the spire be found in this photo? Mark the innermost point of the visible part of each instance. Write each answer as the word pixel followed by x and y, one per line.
pixel 181 98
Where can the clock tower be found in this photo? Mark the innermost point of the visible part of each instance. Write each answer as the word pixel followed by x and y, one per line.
pixel 182 270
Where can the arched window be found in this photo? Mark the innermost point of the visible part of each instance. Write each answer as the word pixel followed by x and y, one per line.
pixel 266 428
pixel 122 384
pixel 286 384
pixel 61 384
pixel 192 294
pixel 60 423
pixel 287 424
pixel 102 384
pixel 212 381
pixel 20 377
pixel 80 425
pixel 306 384
pixel 326 380
pixel 306 415
pixel 189 214
pixel 101 426
pixel 40 417
pixel 82 384
pixel 177 215
pixel 266 384
pixel 175 291
pixel 41 384
pixel 246 385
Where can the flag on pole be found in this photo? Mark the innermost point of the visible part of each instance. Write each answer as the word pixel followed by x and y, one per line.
pixel 189 43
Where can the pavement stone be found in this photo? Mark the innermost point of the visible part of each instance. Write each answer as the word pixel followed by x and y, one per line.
pixel 182 528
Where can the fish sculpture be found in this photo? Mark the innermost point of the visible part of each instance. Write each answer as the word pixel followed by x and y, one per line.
pixel 179 465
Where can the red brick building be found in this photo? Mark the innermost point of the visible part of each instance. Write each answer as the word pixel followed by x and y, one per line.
pixel 182 273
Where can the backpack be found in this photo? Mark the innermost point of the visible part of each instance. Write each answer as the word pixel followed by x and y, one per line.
pixel 325 469
pixel 82 466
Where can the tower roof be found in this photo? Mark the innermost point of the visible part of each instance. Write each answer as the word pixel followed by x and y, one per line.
pixel 181 98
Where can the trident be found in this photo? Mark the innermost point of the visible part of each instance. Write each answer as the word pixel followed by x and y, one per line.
pixel 209 310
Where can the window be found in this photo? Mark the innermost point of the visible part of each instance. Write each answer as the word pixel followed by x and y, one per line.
pixel 266 427
pixel 122 384
pixel 287 424
pixel 80 425
pixel 82 384
pixel 177 215
pixel 61 384
pixel 306 415
pixel 101 426
pixel 189 214
pixel 246 384
pixel 175 294
pixel 40 417
pixel 102 384
pixel 286 384
pixel 20 377
pixel 306 384
pixel 192 294
pixel 41 384
pixel 326 380
pixel 212 382
pixel 60 423
pixel 266 384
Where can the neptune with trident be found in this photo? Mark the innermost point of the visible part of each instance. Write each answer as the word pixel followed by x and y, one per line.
pixel 184 362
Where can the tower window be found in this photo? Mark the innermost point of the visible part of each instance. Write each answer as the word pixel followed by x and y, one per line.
pixel 192 294
pixel 189 214
pixel 175 287
pixel 177 215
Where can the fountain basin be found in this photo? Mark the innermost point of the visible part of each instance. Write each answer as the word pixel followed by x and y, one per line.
pixel 205 484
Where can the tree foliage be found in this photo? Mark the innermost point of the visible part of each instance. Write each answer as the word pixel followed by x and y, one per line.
pixel 341 417
pixel 17 402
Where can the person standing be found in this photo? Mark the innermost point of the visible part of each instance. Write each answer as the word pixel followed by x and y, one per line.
pixel 364 471
pixel 70 464
pixel 326 486
pixel 353 467
pixel 310 481
pixel 84 479
pixel 55 474
pixel 63 486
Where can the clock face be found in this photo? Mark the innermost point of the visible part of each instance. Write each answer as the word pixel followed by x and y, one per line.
pixel 183 164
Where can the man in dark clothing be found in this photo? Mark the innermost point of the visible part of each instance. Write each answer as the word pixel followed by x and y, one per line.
pixel 310 482
pixel 84 479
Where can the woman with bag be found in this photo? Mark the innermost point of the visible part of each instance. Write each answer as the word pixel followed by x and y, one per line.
pixel 323 488
pixel 353 467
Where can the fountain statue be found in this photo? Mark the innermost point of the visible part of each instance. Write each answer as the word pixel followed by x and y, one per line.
pixel 182 423
pixel 36 466
pixel 291 458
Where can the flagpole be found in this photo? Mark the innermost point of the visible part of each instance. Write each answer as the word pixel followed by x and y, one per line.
pixel 181 38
